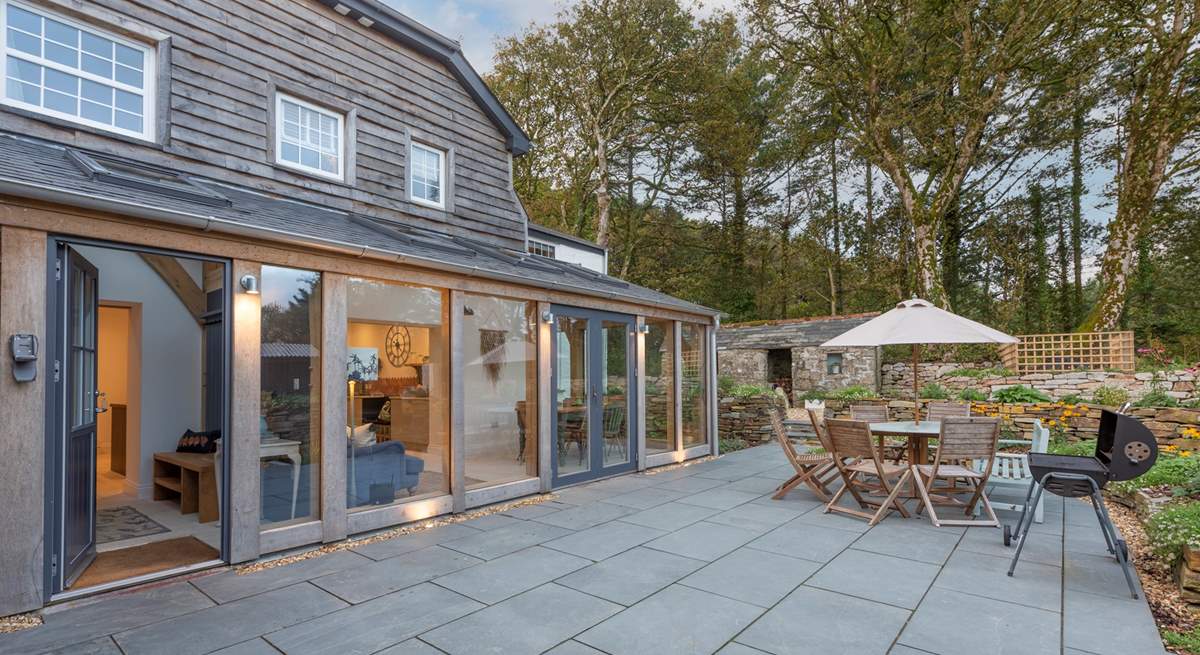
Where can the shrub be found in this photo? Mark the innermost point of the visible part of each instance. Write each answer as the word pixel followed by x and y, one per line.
pixel 1110 396
pixel 1167 471
pixel 1020 394
pixel 852 392
pixel 733 444
pixel 725 383
pixel 972 395
pixel 813 394
pixel 1176 526
pixel 1063 447
pixel 993 372
pixel 935 391
pixel 747 390
pixel 1156 398
pixel 1071 399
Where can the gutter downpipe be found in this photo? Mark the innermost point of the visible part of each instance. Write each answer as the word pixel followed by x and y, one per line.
pixel 224 226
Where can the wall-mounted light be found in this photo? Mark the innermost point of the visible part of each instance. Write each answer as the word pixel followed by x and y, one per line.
pixel 548 316
pixel 644 328
pixel 249 284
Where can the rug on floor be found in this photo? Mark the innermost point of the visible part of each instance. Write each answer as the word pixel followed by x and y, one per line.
pixel 148 558
pixel 124 522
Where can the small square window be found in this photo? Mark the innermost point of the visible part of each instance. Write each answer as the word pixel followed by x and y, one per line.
pixel 308 137
pixel 427 175
pixel 833 364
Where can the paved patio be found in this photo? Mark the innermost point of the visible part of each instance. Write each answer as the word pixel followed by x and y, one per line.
pixel 694 560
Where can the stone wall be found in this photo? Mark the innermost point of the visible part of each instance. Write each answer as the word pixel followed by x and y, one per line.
pixel 746 418
pixel 860 366
pixel 896 381
pixel 744 366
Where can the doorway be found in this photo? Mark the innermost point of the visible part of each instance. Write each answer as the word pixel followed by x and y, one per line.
pixel 779 368
pixel 594 394
pixel 134 461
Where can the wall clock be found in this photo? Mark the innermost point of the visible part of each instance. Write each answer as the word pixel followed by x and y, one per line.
pixel 398 345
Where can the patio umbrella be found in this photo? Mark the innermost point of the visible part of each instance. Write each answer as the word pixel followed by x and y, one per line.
pixel 916 322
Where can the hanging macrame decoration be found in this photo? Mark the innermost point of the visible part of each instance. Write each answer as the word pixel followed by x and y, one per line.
pixel 491 349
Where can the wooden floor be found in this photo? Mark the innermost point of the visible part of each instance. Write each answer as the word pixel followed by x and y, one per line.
pixel 148 558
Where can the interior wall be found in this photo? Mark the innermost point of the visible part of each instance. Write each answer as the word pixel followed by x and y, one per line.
pixel 373 335
pixel 170 353
pixel 112 366
pixel 490 420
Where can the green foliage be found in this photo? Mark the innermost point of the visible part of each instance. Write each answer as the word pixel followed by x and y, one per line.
pixel 1071 399
pixel 725 383
pixel 813 394
pixel 852 392
pixel 972 395
pixel 733 444
pixel 1110 396
pixel 992 372
pixel 1156 397
pixel 935 391
pixel 1183 641
pixel 1063 447
pixel 1172 528
pixel 1167 471
pixel 1020 394
pixel 748 391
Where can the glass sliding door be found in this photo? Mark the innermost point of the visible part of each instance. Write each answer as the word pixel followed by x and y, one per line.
pixel 594 406
pixel 694 384
pixel 660 386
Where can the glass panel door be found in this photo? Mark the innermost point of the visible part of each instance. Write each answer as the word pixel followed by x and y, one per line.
pixel 614 380
pixel 78 529
pixel 571 394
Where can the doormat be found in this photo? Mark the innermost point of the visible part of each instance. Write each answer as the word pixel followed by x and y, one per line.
pixel 153 557
pixel 124 522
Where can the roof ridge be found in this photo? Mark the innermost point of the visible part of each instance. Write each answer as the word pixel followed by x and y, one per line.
pixel 804 319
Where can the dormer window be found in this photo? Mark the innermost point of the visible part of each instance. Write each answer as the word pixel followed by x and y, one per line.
pixel 427 175
pixel 309 138
pixel 75 72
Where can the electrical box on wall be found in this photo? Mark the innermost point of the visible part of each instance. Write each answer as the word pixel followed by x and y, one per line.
pixel 24 351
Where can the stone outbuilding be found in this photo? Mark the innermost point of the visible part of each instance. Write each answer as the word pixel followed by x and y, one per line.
pixel 789 353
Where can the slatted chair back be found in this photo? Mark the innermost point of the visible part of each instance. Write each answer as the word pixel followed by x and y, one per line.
pixel 869 413
pixel 817 416
pixel 936 411
pixel 850 439
pixel 968 437
pixel 781 436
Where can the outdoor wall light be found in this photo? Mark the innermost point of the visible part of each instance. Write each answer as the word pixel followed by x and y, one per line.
pixel 644 328
pixel 548 316
pixel 249 284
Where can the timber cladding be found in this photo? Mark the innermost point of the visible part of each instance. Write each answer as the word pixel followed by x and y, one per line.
pixel 226 59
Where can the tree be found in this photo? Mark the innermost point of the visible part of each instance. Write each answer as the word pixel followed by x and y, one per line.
pixel 1154 55
pixel 932 93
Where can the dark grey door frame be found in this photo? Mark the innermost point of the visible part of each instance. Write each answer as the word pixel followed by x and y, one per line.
pixel 56 385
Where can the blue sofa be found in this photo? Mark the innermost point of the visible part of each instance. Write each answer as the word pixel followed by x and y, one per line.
pixel 374 473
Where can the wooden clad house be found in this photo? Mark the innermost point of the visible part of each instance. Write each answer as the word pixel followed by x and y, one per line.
pixel 265 283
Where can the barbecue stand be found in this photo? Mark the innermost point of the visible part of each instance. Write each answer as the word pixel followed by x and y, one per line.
pixel 1125 449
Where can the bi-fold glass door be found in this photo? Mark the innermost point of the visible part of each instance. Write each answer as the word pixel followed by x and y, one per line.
pixel 594 394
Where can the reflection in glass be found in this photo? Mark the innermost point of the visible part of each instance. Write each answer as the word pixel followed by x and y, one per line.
pixel 571 395
pixel 397 393
pixel 500 386
pixel 615 408
pixel 694 387
pixel 290 419
pixel 660 386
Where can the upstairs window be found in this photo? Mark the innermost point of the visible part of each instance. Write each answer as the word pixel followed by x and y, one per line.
pixel 68 70
pixel 427 175
pixel 308 137
pixel 541 248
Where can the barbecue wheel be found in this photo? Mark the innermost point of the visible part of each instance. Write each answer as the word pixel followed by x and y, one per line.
pixel 1007 535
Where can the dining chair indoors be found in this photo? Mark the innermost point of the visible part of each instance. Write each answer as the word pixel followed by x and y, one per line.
pixel 966 452
pixel 869 474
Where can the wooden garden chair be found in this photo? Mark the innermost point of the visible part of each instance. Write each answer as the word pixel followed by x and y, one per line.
pixel 870 473
pixel 966 451
pixel 812 469
pixel 938 410
pixel 893 450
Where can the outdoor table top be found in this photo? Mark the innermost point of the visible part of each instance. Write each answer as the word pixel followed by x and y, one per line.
pixel 908 428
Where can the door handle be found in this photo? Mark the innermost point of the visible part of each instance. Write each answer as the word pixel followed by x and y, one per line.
pixel 101 402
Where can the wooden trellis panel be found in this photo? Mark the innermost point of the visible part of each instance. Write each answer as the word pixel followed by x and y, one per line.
pixel 1071 351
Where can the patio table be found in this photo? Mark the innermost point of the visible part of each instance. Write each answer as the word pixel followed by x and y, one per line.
pixel 917 436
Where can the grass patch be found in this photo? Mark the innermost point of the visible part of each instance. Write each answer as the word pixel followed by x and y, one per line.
pixel 991 372
pixel 1167 472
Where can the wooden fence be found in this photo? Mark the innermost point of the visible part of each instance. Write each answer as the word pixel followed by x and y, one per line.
pixel 1071 351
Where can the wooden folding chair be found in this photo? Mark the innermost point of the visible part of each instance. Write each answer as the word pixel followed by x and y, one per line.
pixel 966 451
pixel 938 410
pixel 812 469
pixel 852 439
pixel 894 451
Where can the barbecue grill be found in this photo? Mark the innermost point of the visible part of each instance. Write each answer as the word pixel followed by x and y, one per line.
pixel 1125 449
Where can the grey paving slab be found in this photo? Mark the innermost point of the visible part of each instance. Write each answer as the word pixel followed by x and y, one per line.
pixel 1088 539
pixel 755 517
pixel 645 498
pixel 504 577
pixel 533 511
pixel 531 622
pixel 669 516
pixel 675 620
pixel 383 577
pixel 730 473
pixel 817 621
pixel 901 649
pixel 375 624
pixel 415 541
pixel 841 521
pixel 232 623
pixel 605 540
pixel 583 495
pixel 881 578
pixel 1109 626
pixel 1033 584
pixel 83 622
pixel 752 576
pixel 1039 547
pixel 573 647
pixel 505 540
pixel 904 539
pixel 410 647
pixel 805 540
pixel 632 575
pixel 691 484
pixel 99 646
pixel 622 483
pixel 757 484
pixel 800 501
pixel 720 498
pixel 951 623
pixel 489 522
pixel 230 585
pixel 734 648
pixel 1097 574
pixel 660 476
pixel 253 647
pixel 705 541
pixel 1079 512
pixel 581 518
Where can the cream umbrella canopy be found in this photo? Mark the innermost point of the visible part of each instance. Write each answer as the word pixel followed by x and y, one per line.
pixel 916 322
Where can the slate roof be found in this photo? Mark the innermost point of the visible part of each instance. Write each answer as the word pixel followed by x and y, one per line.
pixel 790 333
pixel 43 170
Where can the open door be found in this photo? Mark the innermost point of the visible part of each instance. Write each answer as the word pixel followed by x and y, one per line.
pixel 78 293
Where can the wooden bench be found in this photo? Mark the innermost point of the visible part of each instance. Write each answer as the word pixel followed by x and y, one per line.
pixel 1012 469
pixel 189 478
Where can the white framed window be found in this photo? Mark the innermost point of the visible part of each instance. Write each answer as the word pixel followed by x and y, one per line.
pixel 427 175
pixel 65 69
pixel 541 248
pixel 309 138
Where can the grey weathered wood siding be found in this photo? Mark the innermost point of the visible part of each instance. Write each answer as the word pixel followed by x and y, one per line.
pixel 227 57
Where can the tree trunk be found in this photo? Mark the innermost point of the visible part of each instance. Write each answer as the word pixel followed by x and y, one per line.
pixel 951 254
pixel 1035 301
pixel 603 199
pixel 1077 133
pixel 869 225
pixel 836 274
pixel 925 259
pixel 1066 317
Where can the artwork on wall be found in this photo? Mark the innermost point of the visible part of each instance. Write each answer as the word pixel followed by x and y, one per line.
pixel 491 349
pixel 362 365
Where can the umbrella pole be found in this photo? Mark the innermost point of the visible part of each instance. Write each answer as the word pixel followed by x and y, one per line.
pixel 916 389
